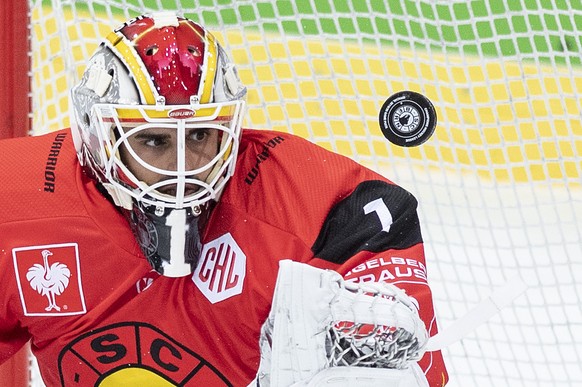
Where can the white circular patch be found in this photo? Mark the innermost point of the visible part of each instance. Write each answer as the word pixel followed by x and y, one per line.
pixel 406 119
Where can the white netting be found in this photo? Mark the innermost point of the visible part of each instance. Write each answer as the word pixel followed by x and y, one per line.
pixel 500 183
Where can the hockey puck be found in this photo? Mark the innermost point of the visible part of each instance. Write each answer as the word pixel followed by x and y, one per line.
pixel 407 118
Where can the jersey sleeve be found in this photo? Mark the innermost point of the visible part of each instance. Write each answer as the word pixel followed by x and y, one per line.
pixel 12 334
pixel 374 234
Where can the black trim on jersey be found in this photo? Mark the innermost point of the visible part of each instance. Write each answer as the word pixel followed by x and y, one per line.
pixel 348 229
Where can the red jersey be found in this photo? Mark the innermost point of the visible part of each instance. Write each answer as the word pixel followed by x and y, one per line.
pixel 75 282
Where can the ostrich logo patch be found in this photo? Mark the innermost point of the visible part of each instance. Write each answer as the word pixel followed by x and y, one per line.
pixel 49 279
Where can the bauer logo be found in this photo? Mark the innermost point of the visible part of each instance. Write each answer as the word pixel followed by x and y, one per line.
pixel 181 114
pixel 220 273
pixel 49 280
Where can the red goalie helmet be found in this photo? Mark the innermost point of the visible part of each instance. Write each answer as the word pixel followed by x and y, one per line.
pixel 156 120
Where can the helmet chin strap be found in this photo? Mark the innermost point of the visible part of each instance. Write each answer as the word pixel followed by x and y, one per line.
pixel 169 238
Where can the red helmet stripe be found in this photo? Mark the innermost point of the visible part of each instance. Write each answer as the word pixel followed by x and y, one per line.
pixel 179 59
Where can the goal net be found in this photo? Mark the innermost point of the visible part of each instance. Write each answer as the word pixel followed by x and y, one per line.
pixel 499 183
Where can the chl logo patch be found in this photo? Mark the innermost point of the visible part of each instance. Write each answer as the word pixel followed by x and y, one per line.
pixel 221 271
pixel 49 280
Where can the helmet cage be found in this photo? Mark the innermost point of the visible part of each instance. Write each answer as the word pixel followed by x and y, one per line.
pixel 116 123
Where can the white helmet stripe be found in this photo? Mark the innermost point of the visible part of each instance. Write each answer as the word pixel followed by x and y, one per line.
pixel 122 49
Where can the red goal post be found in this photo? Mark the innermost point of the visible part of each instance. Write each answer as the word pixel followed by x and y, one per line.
pixel 15 113
pixel 15 62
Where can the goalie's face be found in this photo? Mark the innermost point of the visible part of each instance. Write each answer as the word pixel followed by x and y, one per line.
pixel 178 156
pixel 175 164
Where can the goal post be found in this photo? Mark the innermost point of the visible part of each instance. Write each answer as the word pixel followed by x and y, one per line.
pixel 499 184
pixel 14 59
pixel 15 122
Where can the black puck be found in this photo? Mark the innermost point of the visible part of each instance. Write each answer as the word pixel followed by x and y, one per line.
pixel 407 118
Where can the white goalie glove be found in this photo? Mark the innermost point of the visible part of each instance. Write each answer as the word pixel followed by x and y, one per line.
pixel 323 330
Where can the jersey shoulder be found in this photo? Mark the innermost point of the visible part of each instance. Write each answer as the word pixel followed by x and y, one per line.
pixel 274 156
pixel 39 176
pixel 291 183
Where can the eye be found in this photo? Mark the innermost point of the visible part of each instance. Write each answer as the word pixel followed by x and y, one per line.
pixel 198 134
pixel 154 141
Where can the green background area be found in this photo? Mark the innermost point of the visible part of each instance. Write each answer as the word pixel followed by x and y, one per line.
pixel 498 28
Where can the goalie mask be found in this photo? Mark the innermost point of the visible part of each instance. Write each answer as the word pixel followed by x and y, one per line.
pixel 156 121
